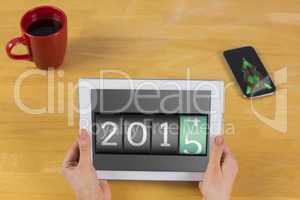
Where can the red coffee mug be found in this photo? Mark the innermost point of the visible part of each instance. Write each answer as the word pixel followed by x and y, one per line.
pixel 46 51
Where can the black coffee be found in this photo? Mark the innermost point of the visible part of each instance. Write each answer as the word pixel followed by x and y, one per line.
pixel 44 27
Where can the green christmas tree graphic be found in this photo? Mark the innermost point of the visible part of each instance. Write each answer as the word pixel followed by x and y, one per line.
pixel 255 80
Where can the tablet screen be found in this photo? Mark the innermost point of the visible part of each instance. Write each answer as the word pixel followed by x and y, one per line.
pixel 150 130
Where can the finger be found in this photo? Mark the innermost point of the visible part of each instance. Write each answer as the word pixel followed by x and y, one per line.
pixel 70 159
pixel 72 155
pixel 229 166
pixel 84 148
pixel 106 189
pixel 227 155
pixel 216 153
pixel 200 184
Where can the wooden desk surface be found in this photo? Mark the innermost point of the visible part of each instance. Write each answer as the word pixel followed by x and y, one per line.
pixel 154 39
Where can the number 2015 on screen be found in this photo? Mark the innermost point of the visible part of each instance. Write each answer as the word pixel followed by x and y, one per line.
pixel 157 134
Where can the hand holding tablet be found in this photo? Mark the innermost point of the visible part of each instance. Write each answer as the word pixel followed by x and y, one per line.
pixel 221 172
pixel 79 172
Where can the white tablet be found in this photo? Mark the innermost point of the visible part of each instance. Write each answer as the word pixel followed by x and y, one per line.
pixel 151 129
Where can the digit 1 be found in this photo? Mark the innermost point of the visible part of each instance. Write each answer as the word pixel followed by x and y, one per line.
pixel 165 143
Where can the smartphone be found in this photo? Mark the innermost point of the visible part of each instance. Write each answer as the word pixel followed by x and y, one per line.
pixel 249 72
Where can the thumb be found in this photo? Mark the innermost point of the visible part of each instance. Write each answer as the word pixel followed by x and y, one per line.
pixel 200 185
pixel 216 153
pixel 84 148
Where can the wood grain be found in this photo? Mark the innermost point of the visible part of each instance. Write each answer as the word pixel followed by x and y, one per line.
pixel 154 39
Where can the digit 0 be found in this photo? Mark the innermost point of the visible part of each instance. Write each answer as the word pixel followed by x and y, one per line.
pixel 129 134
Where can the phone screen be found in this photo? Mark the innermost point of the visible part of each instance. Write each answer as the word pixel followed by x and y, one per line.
pixel 249 72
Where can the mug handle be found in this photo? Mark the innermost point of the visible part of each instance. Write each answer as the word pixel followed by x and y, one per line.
pixel 12 43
